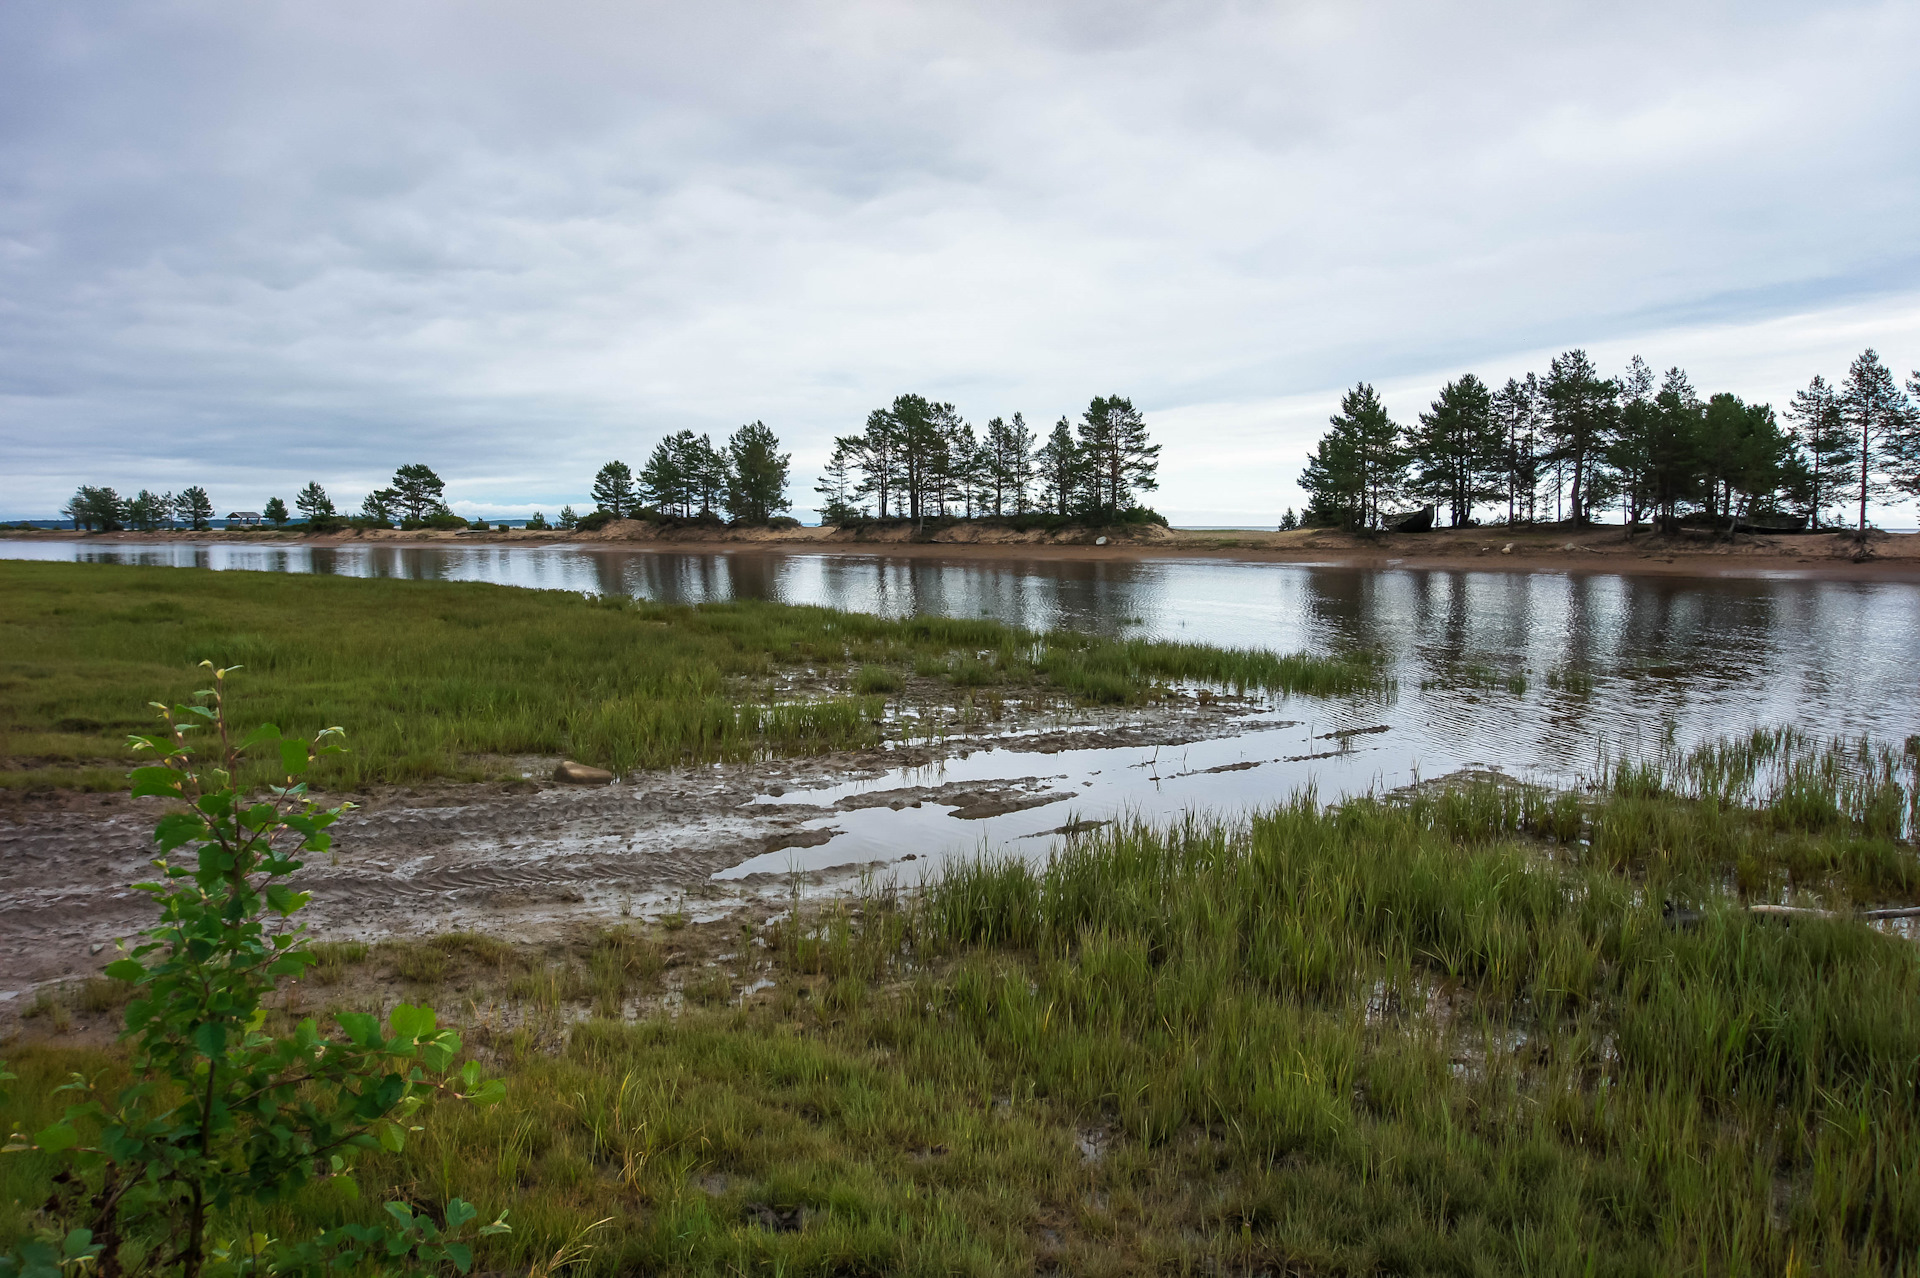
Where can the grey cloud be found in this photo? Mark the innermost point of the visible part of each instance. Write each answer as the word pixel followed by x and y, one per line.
pixel 513 240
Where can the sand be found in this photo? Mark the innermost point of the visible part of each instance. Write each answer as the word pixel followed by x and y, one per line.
pixel 1606 548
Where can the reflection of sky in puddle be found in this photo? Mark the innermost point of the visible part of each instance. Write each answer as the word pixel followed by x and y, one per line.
pixel 1155 783
pixel 1653 657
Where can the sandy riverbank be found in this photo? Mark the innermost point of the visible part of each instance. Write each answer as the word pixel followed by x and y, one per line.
pixel 1608 548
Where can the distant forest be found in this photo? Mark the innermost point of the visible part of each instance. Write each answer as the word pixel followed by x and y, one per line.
pixel 1572 444
pixel 916 459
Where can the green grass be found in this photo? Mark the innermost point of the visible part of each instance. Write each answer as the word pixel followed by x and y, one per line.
pixel 1459 1034
pixel 435 678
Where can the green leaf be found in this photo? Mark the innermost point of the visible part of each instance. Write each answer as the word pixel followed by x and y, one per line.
pixel 293 756
pixel 177 828
pixel 125 970
pixel 155 779
pixel 363 1029
pixel 265 732
pixel 211 1038
pixel 56 1137
pixel 408 1023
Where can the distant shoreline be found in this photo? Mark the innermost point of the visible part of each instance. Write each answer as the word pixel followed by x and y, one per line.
pixel 1605 548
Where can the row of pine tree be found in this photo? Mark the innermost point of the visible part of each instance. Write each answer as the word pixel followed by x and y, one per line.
pixel 918 458
pixel 1572 444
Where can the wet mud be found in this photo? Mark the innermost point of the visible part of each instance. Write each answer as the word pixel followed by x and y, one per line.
pixel 531 858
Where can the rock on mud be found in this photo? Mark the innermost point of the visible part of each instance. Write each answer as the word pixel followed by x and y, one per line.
pixel 580 774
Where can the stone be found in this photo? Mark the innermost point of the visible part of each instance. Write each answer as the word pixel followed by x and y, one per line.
pixel 580 774
pixel 1507 549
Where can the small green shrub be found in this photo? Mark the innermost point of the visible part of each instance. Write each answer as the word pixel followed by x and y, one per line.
pixel 222 1114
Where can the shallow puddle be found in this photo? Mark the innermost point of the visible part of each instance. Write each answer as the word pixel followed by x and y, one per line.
pixel 1005 800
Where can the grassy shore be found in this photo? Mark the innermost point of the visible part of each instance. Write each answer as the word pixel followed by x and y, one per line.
pixel 436 678
pixel 1486 1030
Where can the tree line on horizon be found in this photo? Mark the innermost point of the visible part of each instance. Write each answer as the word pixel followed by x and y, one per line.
pixel 918 458
pixel 1577 443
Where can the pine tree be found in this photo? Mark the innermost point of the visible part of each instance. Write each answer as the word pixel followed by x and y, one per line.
pixel 149 511
pixel 663 485
pixel 275 512
pixel 568 519
pixel 1060 470
pixel 1831 456
pixel 613 490
pixel 877 454
pixel 99 509
pixel 1118 459
pixel 1879 417
pixel 1359 465
pixel 1009 464
pixel 965 470
pixel 756 475
pixel 1516 418
pixel 1630 452
pixel 193 506
pixel 313 502
pixel 1582 408
pixel 836 484
pixel 379 506
pixel 1456 449
pixel 706 470
pixel 417 492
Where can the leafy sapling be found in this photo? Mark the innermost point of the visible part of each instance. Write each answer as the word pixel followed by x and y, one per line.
pixel 224 1115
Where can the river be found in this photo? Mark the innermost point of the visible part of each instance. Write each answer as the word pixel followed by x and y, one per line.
pixel 1534 673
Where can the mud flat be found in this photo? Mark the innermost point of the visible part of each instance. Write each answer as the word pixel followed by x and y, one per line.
pixel 532 859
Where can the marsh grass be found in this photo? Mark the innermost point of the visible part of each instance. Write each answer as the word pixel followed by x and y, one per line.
pixel 436 677
pixel 1467 1032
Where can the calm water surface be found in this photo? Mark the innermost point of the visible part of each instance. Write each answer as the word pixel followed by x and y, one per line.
pixel 1606 659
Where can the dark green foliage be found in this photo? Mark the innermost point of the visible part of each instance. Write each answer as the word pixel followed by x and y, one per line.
pixel 275 512
pixel 96 509
pixel 685 476
pixel 756 479
pixel 1885 432
pixel 223 1115
pixel 1456 450
pixel 1831 454
pixel 314 503
pixel 1359 466
pixel 1118 459
pixel 613 490
pixel 378 509
pixel 151 511
pixel 194 508
pixel 920 460
pixel 1061 470
pixel 439 520
pixel 417 492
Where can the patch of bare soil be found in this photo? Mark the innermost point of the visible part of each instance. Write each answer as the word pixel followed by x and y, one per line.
pixel 524 860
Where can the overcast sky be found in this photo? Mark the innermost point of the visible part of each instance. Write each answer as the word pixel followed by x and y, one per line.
pixel 248 245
